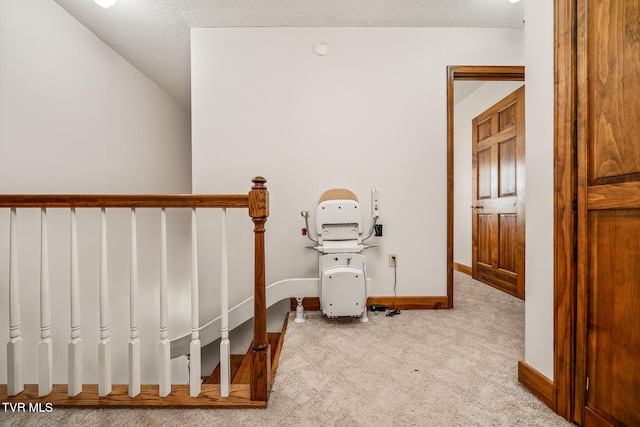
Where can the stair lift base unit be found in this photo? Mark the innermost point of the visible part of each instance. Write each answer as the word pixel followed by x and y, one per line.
pixel 342 285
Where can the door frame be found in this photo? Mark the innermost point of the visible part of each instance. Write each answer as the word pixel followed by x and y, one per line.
pixel 567 390
pixel 565 384
pixel 462 73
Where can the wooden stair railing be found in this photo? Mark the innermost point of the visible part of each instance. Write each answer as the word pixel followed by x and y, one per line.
pixel 261 359
pixel 255 393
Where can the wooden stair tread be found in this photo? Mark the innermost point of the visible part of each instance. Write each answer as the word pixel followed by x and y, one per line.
pixel 243 375
pixel 214 378
pixel 240 396
pixel 241 363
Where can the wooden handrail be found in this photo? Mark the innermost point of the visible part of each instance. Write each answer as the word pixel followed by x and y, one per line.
pixel 124 201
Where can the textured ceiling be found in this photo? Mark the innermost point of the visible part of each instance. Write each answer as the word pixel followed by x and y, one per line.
pixel 153 35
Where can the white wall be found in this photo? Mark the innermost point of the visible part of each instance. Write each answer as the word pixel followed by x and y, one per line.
pixel 378 100
pixel 371 112
pixel 75 117
pixel 464 112
pixel 539 163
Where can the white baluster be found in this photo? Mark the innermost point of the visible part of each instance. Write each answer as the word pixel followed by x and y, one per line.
pixel 75 346
pixel 134 342
pixel 45 382
pixel 164 349
pixel 194 348
pixel 225 347
pixel 104 346
pixel 15 363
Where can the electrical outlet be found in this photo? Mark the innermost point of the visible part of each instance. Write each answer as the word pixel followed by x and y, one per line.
pixel 393 260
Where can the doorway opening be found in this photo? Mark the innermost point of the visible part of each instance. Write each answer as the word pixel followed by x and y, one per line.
pixel 465 73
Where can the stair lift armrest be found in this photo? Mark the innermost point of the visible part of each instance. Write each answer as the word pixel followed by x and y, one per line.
pixel 375 211
pixel 305 215
pixel 370 233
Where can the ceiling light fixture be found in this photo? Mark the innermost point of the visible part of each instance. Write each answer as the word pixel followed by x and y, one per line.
pixel 514 1
pixel 105 3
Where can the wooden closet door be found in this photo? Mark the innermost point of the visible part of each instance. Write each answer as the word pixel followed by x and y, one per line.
pixel 608 338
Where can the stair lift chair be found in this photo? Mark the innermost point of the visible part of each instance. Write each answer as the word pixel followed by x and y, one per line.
pixel 339 240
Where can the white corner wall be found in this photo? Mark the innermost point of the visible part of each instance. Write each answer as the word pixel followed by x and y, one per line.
pixel 371 112
pixel 464 112
pixel 75 117
pixel 539 163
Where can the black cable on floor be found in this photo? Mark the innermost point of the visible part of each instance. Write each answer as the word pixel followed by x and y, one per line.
pixel 395 294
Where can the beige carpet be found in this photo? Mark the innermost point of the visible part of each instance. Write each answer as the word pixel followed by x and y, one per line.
pixel 420 368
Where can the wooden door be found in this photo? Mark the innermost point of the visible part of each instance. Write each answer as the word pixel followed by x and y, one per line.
pixel 498 195
pixel 608 334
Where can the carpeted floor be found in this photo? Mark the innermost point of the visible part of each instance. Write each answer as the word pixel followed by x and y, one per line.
pixel 420 368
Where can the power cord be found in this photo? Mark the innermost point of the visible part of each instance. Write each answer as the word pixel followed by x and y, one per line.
pixel 395 311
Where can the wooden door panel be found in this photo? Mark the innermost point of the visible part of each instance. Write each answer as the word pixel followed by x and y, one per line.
pixel 507 117
pixel 501 279
pixel 507 168
pixel 508 225
pixel 591 419
pixel 484 129
pixel 613 335
pixel 484 174
pixel 485 243
pixel 498 196
pixel 614 111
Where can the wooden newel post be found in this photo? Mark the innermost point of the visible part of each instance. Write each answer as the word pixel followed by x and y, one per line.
pixel 260 353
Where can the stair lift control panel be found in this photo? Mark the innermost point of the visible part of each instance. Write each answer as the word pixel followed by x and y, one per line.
pixel 375 203
pixel 339 239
